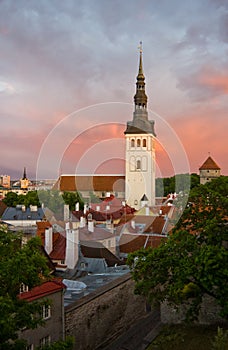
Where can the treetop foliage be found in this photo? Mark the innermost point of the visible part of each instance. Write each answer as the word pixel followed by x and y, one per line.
pixel 193 260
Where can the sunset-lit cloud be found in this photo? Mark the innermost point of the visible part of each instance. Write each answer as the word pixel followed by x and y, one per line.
pixel 58 58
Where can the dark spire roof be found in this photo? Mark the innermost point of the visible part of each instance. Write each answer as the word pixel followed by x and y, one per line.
pixel 24 174
pixel 140 124
pixel 140 97
pixel 209 164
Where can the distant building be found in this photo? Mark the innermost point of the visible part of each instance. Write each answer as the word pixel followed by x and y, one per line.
pixel 208 171
pixel 5 181
pixel 24 181
pixel 22 216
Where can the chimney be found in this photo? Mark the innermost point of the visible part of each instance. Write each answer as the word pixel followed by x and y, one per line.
pixel 98 208
pixel 82 222
pixel 133 224
pixel 147 211
pixel 160 212
pixel 72 240
pixel 85 208
pixel 48 240
pixel 77 206
pixel 66 212
pixel 90 223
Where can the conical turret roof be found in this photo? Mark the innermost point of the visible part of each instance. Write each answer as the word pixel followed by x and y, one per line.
pixel 209 164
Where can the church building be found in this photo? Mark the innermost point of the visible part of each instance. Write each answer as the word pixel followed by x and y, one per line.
pixel 137 186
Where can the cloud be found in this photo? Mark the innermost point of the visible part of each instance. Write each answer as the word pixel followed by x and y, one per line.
pixel 58 57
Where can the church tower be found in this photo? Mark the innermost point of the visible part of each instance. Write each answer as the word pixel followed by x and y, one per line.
pixel 140 149
pixel 24 181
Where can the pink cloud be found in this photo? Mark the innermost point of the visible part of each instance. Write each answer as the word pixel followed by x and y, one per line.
pixel 215 79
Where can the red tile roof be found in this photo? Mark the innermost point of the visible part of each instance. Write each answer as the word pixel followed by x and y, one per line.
pixel 115 211
pixel 106 183
pixel 131 242
pixel 209 164
pixel 43 290
pixel 59 247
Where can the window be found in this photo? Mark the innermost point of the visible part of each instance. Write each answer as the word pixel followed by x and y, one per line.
pixel 138 142
pixel 23 288
pixel 144 142
pixel 46 311
pixel 138 164
pixel 132 142
pixel 45 341
pixel 30 347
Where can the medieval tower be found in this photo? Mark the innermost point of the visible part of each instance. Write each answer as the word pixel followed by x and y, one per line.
pixel 140 149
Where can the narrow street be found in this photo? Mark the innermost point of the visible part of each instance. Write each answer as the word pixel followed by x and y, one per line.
pixel 134 337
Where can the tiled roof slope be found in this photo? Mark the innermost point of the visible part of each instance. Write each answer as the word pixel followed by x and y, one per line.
pixel 43 290
pixel 209 164
pixel 131 242
pixel 91 183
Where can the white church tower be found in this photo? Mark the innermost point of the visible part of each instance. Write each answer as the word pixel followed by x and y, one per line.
pixel 140 150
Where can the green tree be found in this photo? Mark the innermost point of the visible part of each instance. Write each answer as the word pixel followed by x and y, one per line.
pixel 32 198
pixel 18 264
pixel 11 199
pixel 193 261
pixel 71 198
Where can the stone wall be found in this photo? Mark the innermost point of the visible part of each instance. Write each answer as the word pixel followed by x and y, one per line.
pixel 208 314
pixel 101 316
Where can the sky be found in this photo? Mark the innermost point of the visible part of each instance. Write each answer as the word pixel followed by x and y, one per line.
pixel 67 81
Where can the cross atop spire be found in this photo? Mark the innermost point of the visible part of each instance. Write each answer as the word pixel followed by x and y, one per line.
pixel 140 97
pixel 140 74
pixel 140 47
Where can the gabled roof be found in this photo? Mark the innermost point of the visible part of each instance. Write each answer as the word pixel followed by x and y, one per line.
pixel 43 290
pixel 106 183
pixel 209 164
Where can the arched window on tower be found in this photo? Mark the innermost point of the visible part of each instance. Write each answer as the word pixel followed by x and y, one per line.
pixel 144 142
pixel 138 164
pixel 132 142
pixel 138 142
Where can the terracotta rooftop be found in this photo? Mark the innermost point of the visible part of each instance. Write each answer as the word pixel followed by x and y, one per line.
pixel 43 290
pixel 98 234
pixel 100 212
pixel 209 164
pixel 131 242
pixel 106 183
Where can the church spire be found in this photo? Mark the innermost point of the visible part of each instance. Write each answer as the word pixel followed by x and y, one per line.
pixel 24 174
pixel 140 97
